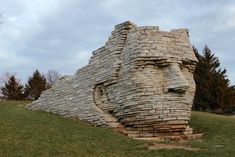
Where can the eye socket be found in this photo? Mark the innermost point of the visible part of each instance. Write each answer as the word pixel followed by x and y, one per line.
pixel 180 65
pixel 190 66
pixel 140 65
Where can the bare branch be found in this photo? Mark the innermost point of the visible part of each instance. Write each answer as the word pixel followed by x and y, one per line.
pixel 52 76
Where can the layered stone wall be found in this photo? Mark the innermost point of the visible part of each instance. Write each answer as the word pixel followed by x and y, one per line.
pixel 141 80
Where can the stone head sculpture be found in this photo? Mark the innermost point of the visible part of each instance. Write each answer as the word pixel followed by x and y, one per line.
pixel 142 80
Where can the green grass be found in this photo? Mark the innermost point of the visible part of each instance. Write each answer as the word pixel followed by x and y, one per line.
pixel 25 133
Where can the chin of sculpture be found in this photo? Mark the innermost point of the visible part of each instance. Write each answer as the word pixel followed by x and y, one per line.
pixel 140 81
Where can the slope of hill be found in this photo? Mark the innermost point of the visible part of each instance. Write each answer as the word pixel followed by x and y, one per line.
pixel 26 133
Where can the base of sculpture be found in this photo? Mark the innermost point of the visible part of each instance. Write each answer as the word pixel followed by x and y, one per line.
pixel 171 138
pixel 165 134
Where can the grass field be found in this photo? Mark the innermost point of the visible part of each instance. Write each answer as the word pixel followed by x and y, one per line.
pixel 24 133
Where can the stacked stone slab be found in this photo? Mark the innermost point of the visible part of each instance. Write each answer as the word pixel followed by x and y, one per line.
pixel 141 80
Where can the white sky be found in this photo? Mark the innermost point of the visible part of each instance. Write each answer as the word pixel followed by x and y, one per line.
pixel 61 34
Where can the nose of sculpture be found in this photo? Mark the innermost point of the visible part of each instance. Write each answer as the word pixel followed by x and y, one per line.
pixel 175 80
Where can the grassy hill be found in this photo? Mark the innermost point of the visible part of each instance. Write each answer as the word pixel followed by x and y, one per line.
pixel 24 133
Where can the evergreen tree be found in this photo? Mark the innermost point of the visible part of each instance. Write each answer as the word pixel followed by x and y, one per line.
pixel 36 84
pixel 12 89
pixel 213 90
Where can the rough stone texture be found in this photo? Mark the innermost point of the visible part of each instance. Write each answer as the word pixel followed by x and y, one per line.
pixel 141 80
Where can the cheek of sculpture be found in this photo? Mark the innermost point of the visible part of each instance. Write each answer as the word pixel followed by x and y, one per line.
pixel 192 86
pixel 148 80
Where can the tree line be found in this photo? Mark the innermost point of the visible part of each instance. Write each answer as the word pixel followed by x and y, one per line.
pixel 13 89
pixel 213 90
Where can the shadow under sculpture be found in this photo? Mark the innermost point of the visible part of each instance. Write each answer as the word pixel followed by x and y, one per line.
pixel 140 81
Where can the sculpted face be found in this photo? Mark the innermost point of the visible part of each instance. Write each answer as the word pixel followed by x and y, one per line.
pixel 164 88
pixel 157 83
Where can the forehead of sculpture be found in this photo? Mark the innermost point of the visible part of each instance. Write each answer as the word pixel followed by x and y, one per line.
pixel 149 42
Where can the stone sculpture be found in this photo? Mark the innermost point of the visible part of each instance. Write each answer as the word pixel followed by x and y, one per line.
pixel 141 80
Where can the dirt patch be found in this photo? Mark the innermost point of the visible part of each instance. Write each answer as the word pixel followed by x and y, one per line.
pixel 157 146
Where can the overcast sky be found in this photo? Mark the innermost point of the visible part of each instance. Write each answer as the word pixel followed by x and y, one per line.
pixel 61 34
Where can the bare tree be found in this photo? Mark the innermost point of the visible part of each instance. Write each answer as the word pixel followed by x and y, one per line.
pixel 52 76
